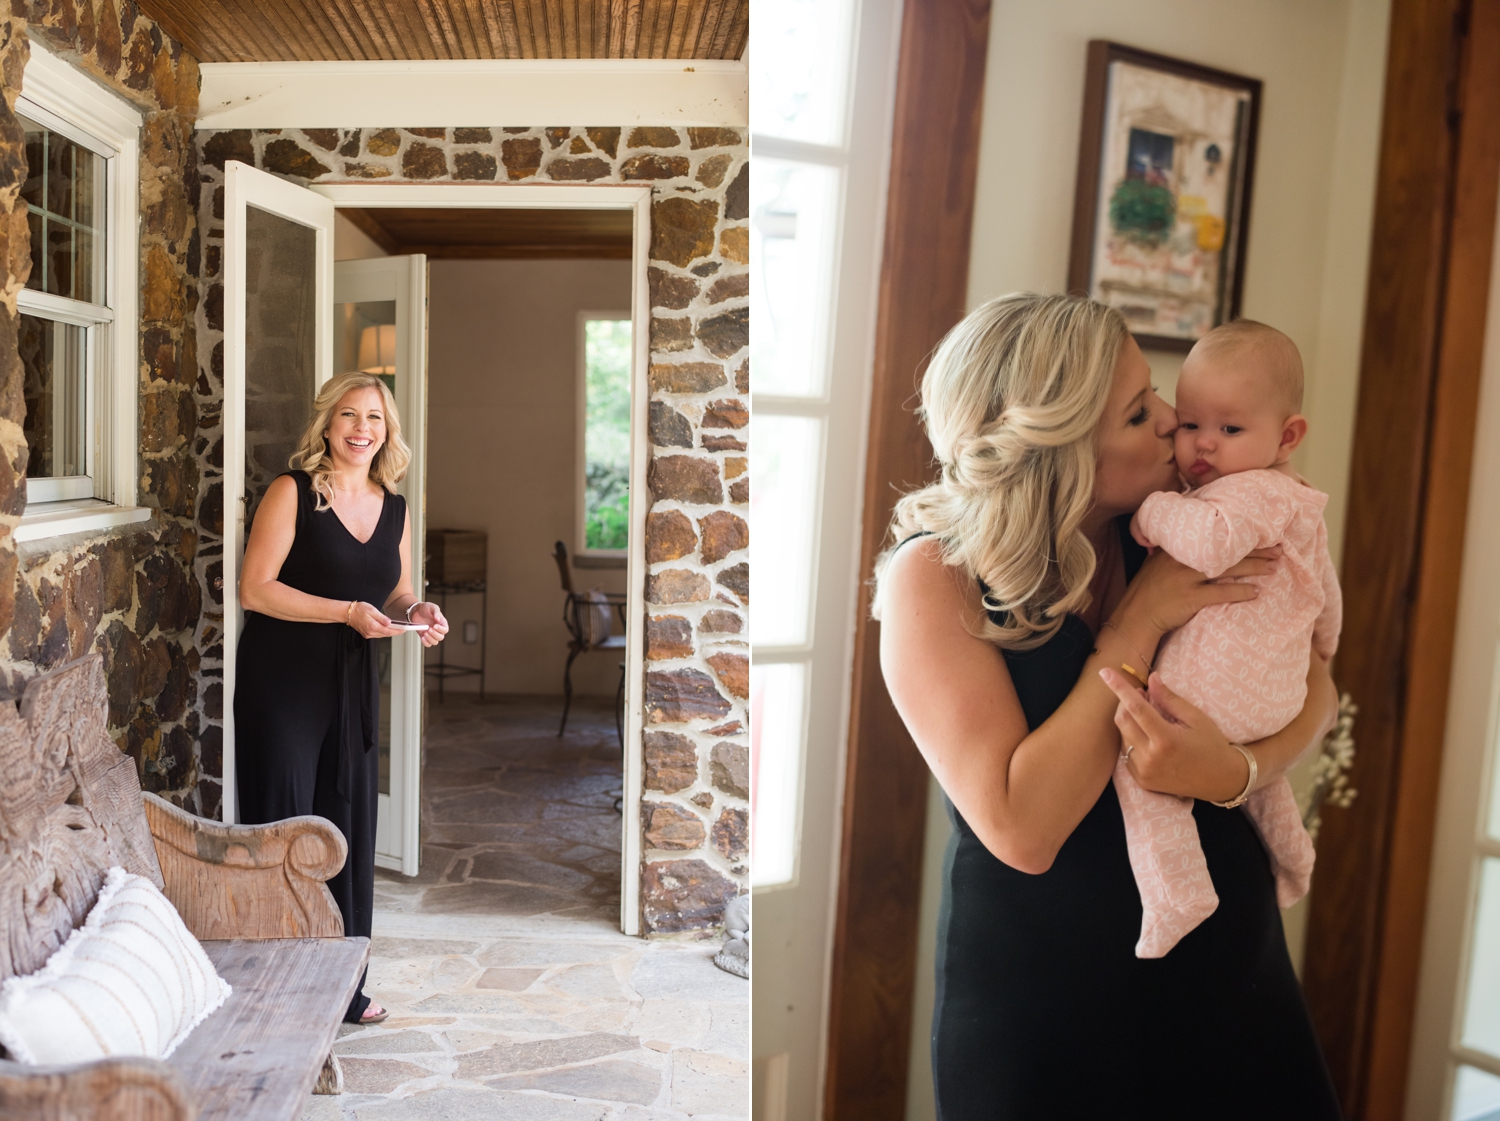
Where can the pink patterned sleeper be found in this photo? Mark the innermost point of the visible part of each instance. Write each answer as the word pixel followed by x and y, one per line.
pixel 1245 666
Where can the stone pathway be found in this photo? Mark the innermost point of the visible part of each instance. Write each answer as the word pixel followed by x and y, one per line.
pixel 512 992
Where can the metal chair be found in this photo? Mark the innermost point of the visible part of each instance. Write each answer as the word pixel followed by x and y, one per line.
pixel 582 636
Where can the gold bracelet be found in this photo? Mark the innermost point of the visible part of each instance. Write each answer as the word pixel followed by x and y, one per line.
pixel 349 614
pixel 1249 783
pixel 1127 668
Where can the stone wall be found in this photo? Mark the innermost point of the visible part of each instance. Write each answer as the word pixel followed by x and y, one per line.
pixel 696 812
pixel 127 593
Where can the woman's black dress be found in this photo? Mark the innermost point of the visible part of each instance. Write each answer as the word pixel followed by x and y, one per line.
pixel 307 699
pixel 1043 1011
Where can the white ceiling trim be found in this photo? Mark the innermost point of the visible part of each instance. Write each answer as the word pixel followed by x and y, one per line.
pixel 429 94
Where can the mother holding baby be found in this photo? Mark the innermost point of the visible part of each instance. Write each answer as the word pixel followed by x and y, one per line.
pixel 1015 608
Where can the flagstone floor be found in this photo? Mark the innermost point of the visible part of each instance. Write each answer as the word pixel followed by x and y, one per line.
pixel 512 992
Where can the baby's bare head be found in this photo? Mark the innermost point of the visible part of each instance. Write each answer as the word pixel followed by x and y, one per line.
pixel 1265 360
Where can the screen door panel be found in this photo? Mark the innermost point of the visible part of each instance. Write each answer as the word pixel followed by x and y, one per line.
pixel 278 349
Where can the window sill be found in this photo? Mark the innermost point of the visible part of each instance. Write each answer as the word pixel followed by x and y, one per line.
pixel 599 560
pixel 57 519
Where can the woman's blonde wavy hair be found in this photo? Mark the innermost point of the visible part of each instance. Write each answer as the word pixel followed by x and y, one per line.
pixel 1011 402
pixel 387 468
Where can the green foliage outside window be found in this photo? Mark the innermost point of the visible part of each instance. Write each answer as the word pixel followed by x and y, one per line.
pixel 606 441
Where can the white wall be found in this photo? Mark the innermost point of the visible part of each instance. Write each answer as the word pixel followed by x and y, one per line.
pixel 1322 62
pixel 502 400
pixel 350 243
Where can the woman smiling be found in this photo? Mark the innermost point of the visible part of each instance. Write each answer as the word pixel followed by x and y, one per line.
pixel 327 569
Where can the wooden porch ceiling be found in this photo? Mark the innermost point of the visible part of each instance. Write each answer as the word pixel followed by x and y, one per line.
pixel 494 233
pixel 346 30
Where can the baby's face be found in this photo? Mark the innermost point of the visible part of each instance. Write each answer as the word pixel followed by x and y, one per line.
pixel 1227 421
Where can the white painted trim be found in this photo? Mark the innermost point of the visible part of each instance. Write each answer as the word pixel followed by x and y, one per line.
pixel 635 605
pixel 522 196
pixel 1467 781
pixel 63 309
pixel 55 85
pixel 43 520
pixel 244 186
pixel 55 94
pixel 459 93
pixel 404 281
pixel 601 196
pixel 580 410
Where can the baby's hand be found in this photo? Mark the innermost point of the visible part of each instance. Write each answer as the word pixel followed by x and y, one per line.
pixel 1139 534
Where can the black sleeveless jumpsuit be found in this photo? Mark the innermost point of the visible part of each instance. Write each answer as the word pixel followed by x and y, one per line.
pixel 1043 1011
pixel 307 699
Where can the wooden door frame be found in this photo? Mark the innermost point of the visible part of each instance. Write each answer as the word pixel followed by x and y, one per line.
pixel 1420 370
pixel 924 282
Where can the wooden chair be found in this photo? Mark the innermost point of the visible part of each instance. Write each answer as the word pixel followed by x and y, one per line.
pixel 255 895
pixel 583 637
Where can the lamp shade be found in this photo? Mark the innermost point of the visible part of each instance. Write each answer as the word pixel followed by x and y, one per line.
pixel 377 349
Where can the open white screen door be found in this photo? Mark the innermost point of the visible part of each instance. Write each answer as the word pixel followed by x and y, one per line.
pixel 278 349
pixel 380 326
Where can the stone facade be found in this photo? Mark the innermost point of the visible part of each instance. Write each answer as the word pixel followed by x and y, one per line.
pixel 695 813
pixel 130 594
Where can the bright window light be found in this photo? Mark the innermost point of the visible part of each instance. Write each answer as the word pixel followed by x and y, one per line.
pixel 1476 1096
pixel 793 207
pixel 606 434
pixel 799 58
pixel 777 695
pixel 783 507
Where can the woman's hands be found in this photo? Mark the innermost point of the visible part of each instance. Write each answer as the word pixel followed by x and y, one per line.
pixel 1167 593
pixel 437 623
pixel 1174 748
pixel 370 622
pixel 1177 749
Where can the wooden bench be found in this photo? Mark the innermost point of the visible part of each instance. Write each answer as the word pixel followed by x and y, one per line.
pixel 256 896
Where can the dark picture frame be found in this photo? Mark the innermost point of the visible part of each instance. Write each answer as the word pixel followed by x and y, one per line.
pixel 1161 210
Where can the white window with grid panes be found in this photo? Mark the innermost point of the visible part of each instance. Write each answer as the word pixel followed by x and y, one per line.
pixel 78 331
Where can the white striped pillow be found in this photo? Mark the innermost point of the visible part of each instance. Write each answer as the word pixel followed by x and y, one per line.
pixel 130 981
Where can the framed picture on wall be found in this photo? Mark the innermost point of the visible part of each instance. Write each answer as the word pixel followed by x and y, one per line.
pixel 1166 160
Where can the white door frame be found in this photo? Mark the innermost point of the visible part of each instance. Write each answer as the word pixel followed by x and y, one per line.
pixel 529 196
pixel 404 279
pixel 243 186
pixel 1467 785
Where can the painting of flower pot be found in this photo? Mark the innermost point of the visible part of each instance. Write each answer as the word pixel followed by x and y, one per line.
pixel 1166 163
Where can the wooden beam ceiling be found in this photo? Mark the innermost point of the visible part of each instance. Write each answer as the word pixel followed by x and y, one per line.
pixel 347 30
pixel 493 233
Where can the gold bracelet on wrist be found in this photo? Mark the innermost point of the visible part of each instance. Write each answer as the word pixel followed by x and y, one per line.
pixel 1244 794
pixel 349 614
pixel 1142 678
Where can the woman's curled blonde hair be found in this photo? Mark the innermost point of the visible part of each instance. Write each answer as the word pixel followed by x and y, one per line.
pixel 387 468
pixel 1011 402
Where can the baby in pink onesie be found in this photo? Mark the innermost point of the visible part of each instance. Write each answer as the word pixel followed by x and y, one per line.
pixel 1243 664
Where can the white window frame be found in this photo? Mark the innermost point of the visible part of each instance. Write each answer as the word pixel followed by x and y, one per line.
pixel 64 100
pixel 580 490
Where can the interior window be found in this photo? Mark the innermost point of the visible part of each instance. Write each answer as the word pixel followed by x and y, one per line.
pixel 606 435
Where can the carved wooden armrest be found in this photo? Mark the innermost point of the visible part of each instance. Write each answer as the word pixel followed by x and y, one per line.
pixel 249 881
pixel 131 1089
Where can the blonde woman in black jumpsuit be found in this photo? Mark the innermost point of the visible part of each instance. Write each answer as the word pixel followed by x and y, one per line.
pixel 1007 610
pixel 326 570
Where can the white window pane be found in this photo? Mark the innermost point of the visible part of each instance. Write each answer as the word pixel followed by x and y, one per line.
pixel 54 366
pixel 783 503
pixel 799 69
pixel 793 210
pixel 777 700
pixel 1482 1000
pixel 606 441
pixel 1476 1096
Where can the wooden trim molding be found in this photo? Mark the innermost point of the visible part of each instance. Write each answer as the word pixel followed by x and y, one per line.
pixel 1424 330
pixel 923 293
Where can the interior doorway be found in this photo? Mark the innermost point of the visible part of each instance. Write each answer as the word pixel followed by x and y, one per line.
pixel 523 433
pixel 510 267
